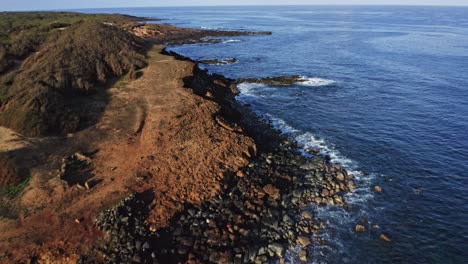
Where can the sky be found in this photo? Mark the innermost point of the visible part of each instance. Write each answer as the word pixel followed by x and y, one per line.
pixel 23 5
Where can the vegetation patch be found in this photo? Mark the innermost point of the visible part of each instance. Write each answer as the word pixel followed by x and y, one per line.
pixel 11 191
pixel 13 180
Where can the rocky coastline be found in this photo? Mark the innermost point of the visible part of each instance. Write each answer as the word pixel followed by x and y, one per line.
pixel 260 213
pixel 258 216
pixel 249 205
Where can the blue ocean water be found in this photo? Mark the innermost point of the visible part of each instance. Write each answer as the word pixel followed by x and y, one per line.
pixel 386 96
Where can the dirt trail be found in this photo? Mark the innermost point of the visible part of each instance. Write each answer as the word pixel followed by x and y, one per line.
pixel 154 135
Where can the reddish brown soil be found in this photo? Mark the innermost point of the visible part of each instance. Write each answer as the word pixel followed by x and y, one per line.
pixel 154 134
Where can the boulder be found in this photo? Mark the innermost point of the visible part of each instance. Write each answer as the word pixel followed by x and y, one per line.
pixel 277 248
pixel 307 215
pixel 303 241
pixel 303 256
pixel 360 228
pixel 340 176
pixel 272 191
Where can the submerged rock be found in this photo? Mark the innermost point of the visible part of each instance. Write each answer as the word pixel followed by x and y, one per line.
pixel 378 189
pixel 385 237
pixel 360 228
pixel 303 256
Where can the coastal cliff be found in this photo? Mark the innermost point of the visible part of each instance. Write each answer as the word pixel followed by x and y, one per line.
pixel 152 159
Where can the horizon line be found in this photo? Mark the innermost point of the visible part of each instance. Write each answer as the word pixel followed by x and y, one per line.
pixel 247 5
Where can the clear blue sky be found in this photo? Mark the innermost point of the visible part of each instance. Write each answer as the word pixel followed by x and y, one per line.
pixel 11 5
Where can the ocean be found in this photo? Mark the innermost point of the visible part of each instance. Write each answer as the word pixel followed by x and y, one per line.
pixel 386 96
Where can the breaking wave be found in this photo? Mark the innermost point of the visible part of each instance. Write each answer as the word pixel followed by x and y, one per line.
pixel 315 82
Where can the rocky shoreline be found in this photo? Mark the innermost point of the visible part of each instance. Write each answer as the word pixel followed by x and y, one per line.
pixel 255 220
pixel 257 217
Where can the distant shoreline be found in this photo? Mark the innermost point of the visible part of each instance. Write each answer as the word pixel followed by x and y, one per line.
pixel 81 9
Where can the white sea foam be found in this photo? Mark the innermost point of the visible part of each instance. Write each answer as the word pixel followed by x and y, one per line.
pixel 304 81
pixel 315 82
pixel 309 141
pixel 249 91
pixel 231 40
pixel 211 28
pixel 226 61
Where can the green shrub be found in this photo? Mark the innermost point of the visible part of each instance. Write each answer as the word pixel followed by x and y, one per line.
pixel 11 191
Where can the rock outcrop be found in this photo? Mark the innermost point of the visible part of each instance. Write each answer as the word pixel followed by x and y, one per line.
pixel 274 81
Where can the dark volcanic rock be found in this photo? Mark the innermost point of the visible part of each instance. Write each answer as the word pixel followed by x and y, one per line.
pixel 255 218
pixel 128 239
